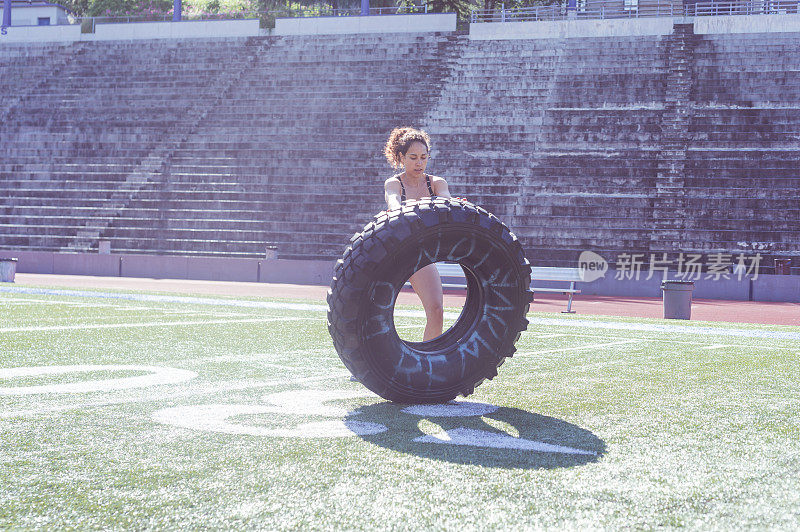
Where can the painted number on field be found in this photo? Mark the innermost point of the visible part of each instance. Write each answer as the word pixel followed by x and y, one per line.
pixel 305 403
pixel 284 405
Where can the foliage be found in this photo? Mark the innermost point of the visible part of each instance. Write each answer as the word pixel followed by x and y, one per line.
pixel 144 8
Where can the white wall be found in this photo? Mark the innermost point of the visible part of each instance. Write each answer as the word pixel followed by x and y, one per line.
pixel 41 34
pixel 174 30
pixel 370 24
pixel 747 23
pixel 29 16
pixel 562 29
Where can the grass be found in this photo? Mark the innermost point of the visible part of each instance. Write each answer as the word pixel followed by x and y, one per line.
pixel 690 425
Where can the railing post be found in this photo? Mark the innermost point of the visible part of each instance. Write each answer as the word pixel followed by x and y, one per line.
pixel 6 13
pixel 502 12
pixel 176 10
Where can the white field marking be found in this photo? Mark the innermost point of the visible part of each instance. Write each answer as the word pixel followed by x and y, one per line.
pixel 666 328
pixel 145 324
pixel 260 362
pixel 19 301
pixel 329 353
pixel 258 357
pixel 580 347
pixel 534 335
pixel 716 346
pixel 571 323
pixel 150 298
pixel 451 409
pixel 314 402
pixel 157 375
pixel 502 426
pixel 495 440
pixel 171 396
pixel 214 417
pixel 666 340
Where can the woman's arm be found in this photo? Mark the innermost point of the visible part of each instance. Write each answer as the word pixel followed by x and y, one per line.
pixel 392 193
pixel 440 187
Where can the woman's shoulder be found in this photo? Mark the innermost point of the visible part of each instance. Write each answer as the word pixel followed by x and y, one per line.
pixel 392 180
pixel 436 179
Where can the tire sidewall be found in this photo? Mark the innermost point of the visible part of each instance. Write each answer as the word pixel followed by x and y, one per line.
pixel 492 258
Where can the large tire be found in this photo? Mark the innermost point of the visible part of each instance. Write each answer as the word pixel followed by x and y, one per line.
pixel 381 258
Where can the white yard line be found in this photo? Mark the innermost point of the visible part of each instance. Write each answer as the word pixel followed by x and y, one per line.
pixel 166 396
pixel 145 324
pixel 666 328
pixel 150 298
pixel 571 323
pixel 716 346
pixel 81 304
pixel 579 348
pixel 582 334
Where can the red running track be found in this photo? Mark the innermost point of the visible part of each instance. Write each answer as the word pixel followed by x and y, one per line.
pixel 639 307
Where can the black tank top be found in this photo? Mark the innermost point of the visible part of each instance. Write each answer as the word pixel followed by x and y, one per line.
pixel 403 188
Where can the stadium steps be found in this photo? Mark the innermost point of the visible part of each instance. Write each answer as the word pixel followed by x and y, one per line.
pixel 561 138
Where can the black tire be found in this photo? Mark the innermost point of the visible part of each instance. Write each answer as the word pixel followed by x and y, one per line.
pixel 381 258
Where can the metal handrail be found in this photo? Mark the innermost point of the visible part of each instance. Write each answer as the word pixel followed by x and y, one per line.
pixel 764 7
pixel 605 9
pixel 615 9
pixel 323 12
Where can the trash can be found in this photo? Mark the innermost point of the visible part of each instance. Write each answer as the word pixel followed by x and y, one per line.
pixel 677 299
pixel 783 266
pixel 8 268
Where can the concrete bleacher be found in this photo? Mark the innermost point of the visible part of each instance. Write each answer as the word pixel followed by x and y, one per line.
pixel 291 156
pixel 570 127
pixel 743 162
pixel 221 147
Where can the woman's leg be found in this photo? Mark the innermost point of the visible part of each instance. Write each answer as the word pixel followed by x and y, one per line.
pixel 428 286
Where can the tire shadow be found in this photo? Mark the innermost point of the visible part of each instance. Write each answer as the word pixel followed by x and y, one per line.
pixel 466 432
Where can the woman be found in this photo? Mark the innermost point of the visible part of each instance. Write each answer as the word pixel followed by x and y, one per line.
pixel 409 149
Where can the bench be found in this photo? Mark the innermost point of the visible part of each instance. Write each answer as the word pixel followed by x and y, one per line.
pixel 567 275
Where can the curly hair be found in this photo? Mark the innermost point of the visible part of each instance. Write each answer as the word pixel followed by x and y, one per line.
pixel 400 140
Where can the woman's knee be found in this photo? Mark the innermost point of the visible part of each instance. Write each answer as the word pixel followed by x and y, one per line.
pixel 435 311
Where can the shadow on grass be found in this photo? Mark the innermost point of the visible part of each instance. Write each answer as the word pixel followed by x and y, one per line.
pixel 467 432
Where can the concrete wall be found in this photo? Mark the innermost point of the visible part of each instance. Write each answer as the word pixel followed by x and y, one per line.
pixel 561 29
pixel 134 30
pixel 371 24
pixel 175 30
pixel 747 23
pixel 174 267
pixel 41 34
pixel 763 288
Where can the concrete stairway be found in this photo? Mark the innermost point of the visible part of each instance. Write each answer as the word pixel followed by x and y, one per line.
pixel 78 147
pixel 292 156
pixel 742 177
pixel 675 144
pixel 558 137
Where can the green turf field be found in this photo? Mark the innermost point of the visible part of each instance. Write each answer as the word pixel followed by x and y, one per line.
pixel 219 413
